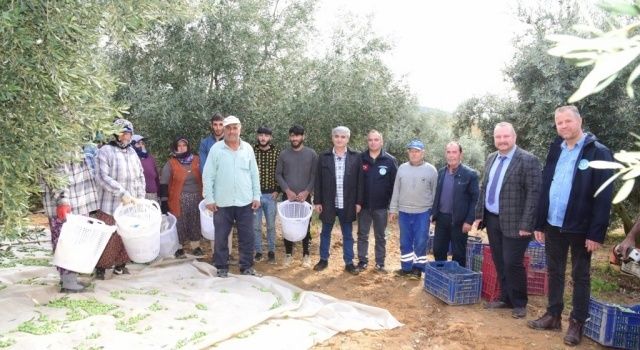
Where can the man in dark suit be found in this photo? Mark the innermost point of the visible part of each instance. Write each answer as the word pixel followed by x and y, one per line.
pixel 338 192
pixel 507 208
pixel 454 205
pixel 571 215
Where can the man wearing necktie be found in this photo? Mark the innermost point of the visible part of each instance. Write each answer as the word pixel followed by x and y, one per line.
pixel 507 208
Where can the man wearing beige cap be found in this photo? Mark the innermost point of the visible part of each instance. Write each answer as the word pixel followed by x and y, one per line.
pixel 231 187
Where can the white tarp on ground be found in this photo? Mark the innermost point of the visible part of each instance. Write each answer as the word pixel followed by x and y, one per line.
pixel 175 304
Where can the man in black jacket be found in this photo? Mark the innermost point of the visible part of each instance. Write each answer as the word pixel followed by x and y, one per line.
pixel 571 215
pixel 379 172
pixel 338 192
pixel 454 205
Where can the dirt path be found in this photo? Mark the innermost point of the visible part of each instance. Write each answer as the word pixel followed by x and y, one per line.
pixel 428 322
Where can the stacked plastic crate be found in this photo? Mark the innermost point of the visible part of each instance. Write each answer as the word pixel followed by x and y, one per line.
pixel 474 253
pixel 613 325
pixel 451 283
pixel 490 284
pixel 537 281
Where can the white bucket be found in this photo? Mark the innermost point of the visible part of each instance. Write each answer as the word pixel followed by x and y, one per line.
pixel 139 226
pixel 294 217
pixel 81 243
pixel 168 236
pixel 206 222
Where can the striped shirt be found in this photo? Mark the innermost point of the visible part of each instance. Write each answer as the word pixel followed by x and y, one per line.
pixel 80 190
pixel 340 164
pixel 118 173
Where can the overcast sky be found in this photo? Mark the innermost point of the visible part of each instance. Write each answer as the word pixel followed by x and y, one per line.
pixel 447 51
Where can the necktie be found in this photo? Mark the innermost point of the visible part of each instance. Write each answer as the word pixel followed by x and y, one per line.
pixel 494 181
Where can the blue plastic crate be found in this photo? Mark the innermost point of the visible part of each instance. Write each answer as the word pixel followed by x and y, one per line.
pixel 613 325
pixel 474 249
pixel 536 254
pixel 451 283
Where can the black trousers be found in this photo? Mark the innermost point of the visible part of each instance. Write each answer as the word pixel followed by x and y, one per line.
pixel 446 232
pixel 507 254
pixel 557 246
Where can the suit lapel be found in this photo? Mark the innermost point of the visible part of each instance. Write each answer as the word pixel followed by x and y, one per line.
pixel 512 165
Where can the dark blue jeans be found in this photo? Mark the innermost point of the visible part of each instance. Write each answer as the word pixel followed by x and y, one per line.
pixel 223 220
pixel 347 238
pixel 446 232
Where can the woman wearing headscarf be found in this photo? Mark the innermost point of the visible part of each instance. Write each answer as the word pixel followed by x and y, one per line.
pixel 149 167
pixel 120 179
pixel 181 192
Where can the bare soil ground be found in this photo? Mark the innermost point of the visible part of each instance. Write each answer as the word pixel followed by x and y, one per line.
pixel 428 322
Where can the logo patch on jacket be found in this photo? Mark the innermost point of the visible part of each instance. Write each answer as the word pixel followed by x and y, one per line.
pixel 584 164
pixel 382 170
pixel 365 167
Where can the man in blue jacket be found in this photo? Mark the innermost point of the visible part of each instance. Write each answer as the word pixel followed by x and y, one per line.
pixel 454 205
pixel 572 216
pixel 379 172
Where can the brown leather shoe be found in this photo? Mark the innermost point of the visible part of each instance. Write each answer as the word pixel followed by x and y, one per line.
pixel 547 321
pixel 574 333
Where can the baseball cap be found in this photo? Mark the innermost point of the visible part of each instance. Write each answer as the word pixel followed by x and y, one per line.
pixel 137 138
pixel 230 120
pixel 416 144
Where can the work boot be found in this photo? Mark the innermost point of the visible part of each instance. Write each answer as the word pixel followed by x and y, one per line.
pixel 70 283
pixel 547 322
pixel 306 261
pixel 258 257
pixel 574 333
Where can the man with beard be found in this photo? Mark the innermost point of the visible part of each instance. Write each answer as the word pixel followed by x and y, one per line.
pixel 217 133
pixel 295 173
pixel 266 157
pixel 231 187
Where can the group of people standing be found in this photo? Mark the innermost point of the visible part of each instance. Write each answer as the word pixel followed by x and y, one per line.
pixel 516 201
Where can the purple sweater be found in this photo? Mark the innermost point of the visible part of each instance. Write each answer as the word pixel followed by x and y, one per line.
pixel 150 174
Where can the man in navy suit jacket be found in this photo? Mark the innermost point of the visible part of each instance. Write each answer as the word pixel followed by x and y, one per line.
pixel 454 205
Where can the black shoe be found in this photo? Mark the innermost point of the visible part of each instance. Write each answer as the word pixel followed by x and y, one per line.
pixel 415 274
pixel 271 258
pixel 402 273
pixel 99 274
pixel 258 257
pixel 321 265
pixel 250 272
pixel 351 269
pixel 497 305
pixel 519 312
pixel 361 266
pixel 121 270
pixel 197 252
pixel 67 290
pixel 179 254
pixel 380 269
pixel 222 273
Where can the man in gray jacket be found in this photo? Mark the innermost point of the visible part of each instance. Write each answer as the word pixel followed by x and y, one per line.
pixel 507 208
